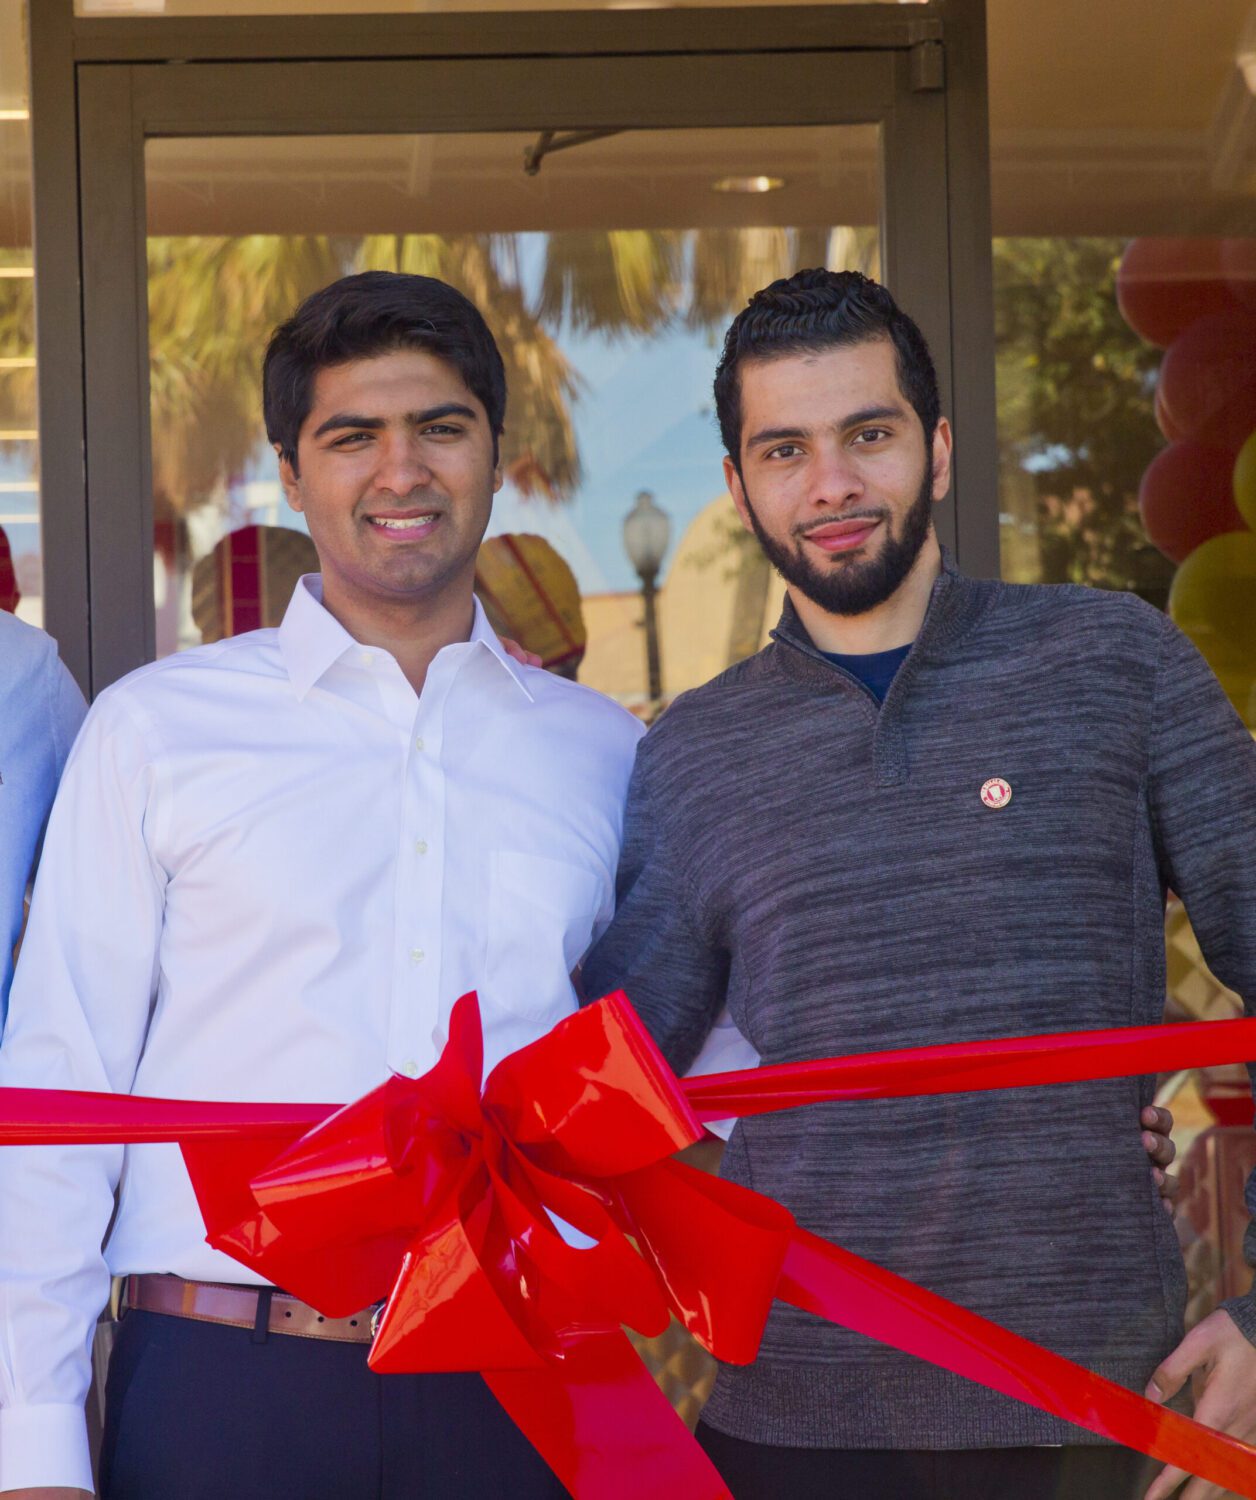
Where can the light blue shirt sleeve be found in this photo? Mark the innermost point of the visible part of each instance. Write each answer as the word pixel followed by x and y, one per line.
pixel 41 709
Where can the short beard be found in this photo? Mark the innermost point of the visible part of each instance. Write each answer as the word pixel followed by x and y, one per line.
pixel 851 586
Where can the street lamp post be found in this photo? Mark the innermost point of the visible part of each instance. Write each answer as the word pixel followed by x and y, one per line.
pixel 647 530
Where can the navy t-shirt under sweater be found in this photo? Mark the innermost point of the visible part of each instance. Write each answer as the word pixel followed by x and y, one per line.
pixel 875 669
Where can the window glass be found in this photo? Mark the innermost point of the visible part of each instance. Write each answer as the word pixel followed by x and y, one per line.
pixel 21 568
pixel 1123 152
pixel 1125 296
pixel 608 277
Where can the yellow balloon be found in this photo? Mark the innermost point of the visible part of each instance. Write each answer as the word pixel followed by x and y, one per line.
pixel 1241 691
pixel 1213 599
pixel 1245 481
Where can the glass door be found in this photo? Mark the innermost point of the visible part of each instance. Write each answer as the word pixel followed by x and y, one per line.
pixel 609 216
pixel 608 272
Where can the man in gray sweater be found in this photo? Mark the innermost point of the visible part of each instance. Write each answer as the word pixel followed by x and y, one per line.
pixel 934 809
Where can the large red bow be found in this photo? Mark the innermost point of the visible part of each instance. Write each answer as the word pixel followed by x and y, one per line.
pixel 460 1188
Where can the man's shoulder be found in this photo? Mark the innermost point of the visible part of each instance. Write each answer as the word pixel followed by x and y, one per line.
pixel 582 708
pixel 25 651
pixel 1079 602
pixel 1077 611
pixel 726 694
pixel 145 690
pixel 721 712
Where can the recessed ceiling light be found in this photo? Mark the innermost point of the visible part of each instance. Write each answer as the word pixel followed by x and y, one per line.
pixel 748 184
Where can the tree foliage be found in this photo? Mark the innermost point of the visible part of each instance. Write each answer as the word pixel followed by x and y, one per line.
pixel 1076 427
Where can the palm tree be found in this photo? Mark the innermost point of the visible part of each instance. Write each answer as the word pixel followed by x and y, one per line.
pixel 614 282
pixel 17 342
pixel 213 301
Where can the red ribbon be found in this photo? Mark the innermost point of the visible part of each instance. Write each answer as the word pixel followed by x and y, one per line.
pixel 458 1187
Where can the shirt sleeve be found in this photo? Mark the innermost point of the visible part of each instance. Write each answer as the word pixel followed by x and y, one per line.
pixel 77 1019
pixel 659 948
pixel 51 710
pixel 1202 784
pixel 66 710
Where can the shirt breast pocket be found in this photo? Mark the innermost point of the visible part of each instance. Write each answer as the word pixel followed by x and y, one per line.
pixel 541 914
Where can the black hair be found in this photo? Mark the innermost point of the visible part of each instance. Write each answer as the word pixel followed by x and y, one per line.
pixel 821 309
pixel 376 312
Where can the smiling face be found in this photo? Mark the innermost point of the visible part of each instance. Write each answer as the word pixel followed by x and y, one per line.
pixel 835 478
pixel 395 474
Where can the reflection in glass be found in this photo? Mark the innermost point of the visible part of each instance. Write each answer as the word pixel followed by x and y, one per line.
pixel 608 278
pixel 1125 215
pixel 21 565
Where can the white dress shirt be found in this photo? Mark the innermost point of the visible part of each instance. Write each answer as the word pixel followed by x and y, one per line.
pixel 269 873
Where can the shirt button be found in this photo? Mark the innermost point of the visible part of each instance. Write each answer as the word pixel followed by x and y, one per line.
pixel 410 1068
pixel 366 658
pixel 416 955
pixel 420 846
pixel 418 744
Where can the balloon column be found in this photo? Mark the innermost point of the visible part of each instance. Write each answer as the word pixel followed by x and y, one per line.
pixel 1196 299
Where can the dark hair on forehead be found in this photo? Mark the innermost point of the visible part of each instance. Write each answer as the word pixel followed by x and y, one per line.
pixel 813 310
pixel 376 312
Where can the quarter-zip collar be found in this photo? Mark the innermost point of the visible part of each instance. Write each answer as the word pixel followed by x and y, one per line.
pixel 956 603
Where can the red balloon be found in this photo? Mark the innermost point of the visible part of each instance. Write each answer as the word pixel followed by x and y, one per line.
pixel 10 594
pixel 1164 284
pixel 1208 380
pixel 1187 496
pixel 1163 421
pixel 1238 266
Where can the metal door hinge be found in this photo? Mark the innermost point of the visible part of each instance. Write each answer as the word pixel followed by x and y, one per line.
pixel 928 67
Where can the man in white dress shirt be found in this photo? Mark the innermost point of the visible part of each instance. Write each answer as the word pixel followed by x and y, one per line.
pixel 274 864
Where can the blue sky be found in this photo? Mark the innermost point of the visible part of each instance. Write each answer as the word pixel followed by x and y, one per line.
pixel 644 422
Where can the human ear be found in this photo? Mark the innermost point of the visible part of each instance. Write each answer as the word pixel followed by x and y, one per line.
pixel 738 491
pixel 940 458
pixel 289 480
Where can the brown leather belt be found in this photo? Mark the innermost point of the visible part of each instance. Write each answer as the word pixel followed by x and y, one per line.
pixel 238 1306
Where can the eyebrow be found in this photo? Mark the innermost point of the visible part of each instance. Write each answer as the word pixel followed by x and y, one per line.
pixel 855 419
pixel 344 419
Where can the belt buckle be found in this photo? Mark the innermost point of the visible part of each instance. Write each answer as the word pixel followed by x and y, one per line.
pixel 377 1312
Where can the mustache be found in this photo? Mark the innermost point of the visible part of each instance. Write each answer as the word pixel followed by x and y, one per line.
pixel 419 499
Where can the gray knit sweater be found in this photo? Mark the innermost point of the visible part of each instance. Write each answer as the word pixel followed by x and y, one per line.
pixel 827 867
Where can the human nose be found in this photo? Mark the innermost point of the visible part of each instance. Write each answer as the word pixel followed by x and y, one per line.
pixel 835 477
pixel 402 467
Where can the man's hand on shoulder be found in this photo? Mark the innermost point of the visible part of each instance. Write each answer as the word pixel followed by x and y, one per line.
pixel 1157 1124
pixel 1222 1364
pixel 524 657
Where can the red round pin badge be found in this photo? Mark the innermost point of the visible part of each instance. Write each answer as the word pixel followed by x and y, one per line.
pixel 996 792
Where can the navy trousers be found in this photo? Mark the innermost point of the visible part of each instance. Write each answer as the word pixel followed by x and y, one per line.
pixel 757 1471
pixel 199 1411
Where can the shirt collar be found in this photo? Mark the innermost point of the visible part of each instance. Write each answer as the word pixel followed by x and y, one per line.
pixel 955 604
pixel 311 639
